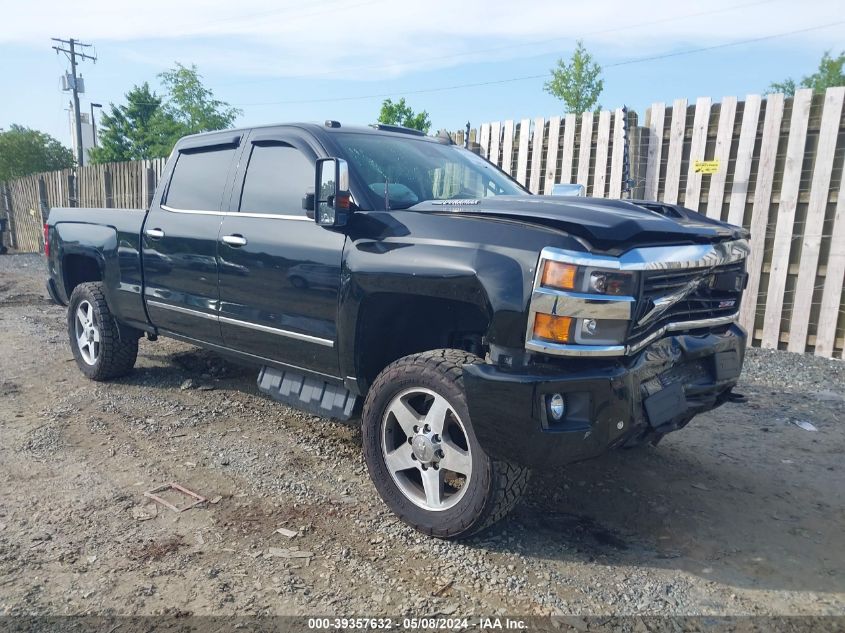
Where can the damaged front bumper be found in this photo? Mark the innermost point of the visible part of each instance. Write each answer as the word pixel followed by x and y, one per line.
pixel 607 404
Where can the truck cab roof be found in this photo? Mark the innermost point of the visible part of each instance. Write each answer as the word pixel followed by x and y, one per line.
pixel 318 130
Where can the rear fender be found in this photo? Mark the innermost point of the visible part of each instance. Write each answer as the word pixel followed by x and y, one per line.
pixel 94 242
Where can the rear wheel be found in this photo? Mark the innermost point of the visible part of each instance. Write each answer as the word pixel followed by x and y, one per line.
pixel 100 351
pixel 422 453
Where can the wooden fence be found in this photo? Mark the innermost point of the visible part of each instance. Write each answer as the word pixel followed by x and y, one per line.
pixel 777 169
pixel 27 201
pixel 774 165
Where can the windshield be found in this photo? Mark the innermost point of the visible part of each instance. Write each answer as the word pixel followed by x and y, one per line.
pixel 413 170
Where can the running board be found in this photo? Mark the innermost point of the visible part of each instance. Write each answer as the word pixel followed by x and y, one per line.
pixel 307 393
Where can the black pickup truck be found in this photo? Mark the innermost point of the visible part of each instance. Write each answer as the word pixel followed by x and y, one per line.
pixel 477 330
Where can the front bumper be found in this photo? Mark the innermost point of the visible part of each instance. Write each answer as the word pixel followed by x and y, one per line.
pixel 609 403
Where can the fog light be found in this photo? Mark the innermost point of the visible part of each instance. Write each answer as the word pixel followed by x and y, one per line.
pixel 590 326
pixel 557 406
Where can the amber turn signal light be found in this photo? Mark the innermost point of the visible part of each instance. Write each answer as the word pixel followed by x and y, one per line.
pixel 552 328
pixel 559 275
pixel 343 199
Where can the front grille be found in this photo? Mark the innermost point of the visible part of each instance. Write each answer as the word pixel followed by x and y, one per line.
pixel 704 299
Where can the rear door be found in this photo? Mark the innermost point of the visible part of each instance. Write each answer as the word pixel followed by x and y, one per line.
pixel 180 239
pixel 279 271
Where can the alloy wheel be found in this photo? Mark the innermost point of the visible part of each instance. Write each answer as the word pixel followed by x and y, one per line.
pixel 87 333
pixel 426 449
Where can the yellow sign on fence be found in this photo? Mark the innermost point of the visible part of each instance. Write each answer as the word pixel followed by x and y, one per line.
pixel 706 166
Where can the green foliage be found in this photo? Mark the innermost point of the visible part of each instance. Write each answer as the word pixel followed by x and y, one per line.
pixel 400 113
pixel 787 87
pixel 25 151
pixel 149 125
pixel 828 75
pixel 191 105
pixel 135 131
pixel 578 84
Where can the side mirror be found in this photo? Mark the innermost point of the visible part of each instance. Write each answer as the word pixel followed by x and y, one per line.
pixel 332 200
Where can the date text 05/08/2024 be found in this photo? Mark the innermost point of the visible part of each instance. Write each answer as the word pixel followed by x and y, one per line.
pixel 455 623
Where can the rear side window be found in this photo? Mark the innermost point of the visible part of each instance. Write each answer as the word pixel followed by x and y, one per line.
pixel 277 178
pixel 199 179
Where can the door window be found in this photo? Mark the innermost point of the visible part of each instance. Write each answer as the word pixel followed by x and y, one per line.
pixel 199 179
pixel 277 178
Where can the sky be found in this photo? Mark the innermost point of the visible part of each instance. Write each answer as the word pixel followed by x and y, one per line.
pixel 477 61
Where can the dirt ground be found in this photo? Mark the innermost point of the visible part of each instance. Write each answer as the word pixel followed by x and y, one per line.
pixel 740 513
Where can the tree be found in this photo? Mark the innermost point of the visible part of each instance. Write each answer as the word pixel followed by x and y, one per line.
pixel 787 87
pixel 578 84
pixel 400 113
pixel 25 151
pixel 828 75
pixel 191 105
pixel 149 125
pixel 135 131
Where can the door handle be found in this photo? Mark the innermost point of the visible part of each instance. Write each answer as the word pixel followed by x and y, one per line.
pixel 234 240
pixel 154 234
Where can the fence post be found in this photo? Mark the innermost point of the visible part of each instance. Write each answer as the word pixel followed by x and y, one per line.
pixel 654 120
pixel 148 184
pixel 7 204
pixel 474 145
pixel 43 205
pixel 108 188
pixel 639 139
pixel 72 194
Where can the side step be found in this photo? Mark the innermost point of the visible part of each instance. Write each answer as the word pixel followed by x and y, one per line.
pixel 307 393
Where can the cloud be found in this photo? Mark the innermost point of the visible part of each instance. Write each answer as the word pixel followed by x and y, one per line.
pixel 374 39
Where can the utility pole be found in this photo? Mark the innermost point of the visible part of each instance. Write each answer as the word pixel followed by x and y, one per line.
pixel 72 54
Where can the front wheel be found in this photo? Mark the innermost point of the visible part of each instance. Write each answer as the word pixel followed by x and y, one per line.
pixel 100 351
pixel 422 453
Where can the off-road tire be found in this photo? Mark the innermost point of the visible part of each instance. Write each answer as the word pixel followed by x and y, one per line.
pixel 117 354
pixel 495 485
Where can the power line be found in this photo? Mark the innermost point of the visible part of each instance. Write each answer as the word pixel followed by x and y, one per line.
pixel 497 49
pixel 72 54
pixel 491 82
pixel 725 45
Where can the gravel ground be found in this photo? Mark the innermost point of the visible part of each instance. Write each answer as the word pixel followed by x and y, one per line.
pixel 740 513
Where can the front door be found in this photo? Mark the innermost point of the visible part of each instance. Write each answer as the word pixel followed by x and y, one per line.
pixel 279 271
pixel 180 243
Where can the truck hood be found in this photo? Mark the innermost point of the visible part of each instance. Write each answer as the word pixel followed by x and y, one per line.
pixel 606 224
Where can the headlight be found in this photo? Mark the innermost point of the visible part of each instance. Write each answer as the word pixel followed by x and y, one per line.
pixel 561 276
pixel 606 282
pixel 582 304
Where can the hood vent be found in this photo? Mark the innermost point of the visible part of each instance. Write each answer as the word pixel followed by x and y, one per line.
pixel 663 209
